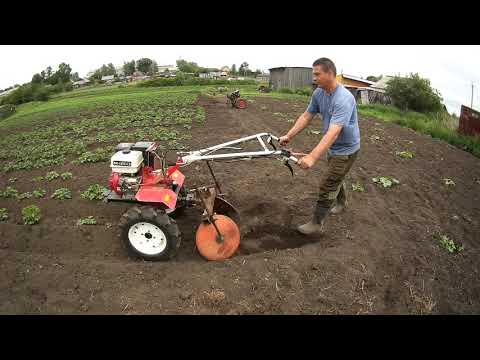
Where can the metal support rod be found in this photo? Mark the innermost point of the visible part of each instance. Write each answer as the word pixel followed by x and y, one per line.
pixel 214 178
pixel 211 220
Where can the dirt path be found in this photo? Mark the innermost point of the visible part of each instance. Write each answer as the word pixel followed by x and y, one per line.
pixel 377 257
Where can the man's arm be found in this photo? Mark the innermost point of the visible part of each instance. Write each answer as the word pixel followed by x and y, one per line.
pixel 302 122
pixel 327 140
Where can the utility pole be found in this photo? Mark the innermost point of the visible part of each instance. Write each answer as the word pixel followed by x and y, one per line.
pixel 471 101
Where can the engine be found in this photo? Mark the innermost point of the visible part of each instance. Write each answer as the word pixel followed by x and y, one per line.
pixel 127 166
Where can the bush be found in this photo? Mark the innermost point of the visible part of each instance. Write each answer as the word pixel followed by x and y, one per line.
pixel 285 90
pixel 87 221
pixel 31 215
pixel 9 192
pixel 52 175
pixel 40 193
pixel 6 110
pixel 62 194
pixel 414 93
pixel 27 93
pixel 307 91
pixel 26 195
pixel 94 192
pixel 3 214
pixel 100 154
pixel 66 175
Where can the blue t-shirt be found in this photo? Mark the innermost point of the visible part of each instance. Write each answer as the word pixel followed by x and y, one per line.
pixel 340 108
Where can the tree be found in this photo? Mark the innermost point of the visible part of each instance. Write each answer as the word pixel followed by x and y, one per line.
pixel 111 70
pixel 153 69
pixel 234 69
pixel 74 77
pixel 37 79
pixel 243 68
pixel 63 73
pixel 144 64
pixel 187 67
pixel 374 78
pixel 129 68
pixel 414 93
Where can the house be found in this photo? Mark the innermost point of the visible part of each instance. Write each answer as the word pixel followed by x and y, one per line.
pixel 369 95
pixel 108 78
pixel 353 81
pixel 81 82
pixel 290 77
pixel 212 75
pixel 382 83
pixel 167 70
pixel 225 69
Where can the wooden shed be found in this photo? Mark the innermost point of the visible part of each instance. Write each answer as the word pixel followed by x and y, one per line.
pixel 469 123
pixel 290 77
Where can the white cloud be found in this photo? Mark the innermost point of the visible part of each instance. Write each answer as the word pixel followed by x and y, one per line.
pixel 450 68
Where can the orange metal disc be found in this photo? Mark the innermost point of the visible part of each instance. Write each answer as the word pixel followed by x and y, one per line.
pixel 206 238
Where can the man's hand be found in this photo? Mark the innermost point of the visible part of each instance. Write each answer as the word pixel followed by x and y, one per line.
pixel 306 162
pixel 284 140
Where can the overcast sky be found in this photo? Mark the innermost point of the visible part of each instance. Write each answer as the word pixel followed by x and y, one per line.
pixel 451 69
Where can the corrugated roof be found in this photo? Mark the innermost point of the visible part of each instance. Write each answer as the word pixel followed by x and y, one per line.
pixel 351 77
pixel 290 67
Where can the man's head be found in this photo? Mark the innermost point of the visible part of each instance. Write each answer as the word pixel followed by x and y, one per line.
pixel 324 72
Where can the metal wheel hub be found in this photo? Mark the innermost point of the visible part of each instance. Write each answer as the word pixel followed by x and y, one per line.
pixel 147 238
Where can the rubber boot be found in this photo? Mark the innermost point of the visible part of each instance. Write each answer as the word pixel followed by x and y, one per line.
pixel 314 226
pixel 341 202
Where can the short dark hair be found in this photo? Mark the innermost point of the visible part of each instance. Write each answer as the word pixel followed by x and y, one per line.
pixel 326 65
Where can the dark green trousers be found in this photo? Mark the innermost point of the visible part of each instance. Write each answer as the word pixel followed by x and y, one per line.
pixel 332 184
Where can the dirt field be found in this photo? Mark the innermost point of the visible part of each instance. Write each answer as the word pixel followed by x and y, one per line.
pixel 378 257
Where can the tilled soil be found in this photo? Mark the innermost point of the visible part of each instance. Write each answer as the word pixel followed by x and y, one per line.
pixel 378 257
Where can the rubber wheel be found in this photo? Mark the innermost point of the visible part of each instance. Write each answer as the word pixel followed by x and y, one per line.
pixel 149 233
pixel 206 238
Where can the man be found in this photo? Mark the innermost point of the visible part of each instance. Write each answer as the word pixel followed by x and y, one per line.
pixel 341 141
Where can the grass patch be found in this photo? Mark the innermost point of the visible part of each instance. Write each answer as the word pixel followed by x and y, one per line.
pixel 441 126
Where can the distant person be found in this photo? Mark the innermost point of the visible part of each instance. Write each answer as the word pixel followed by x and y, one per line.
pixel 340 141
